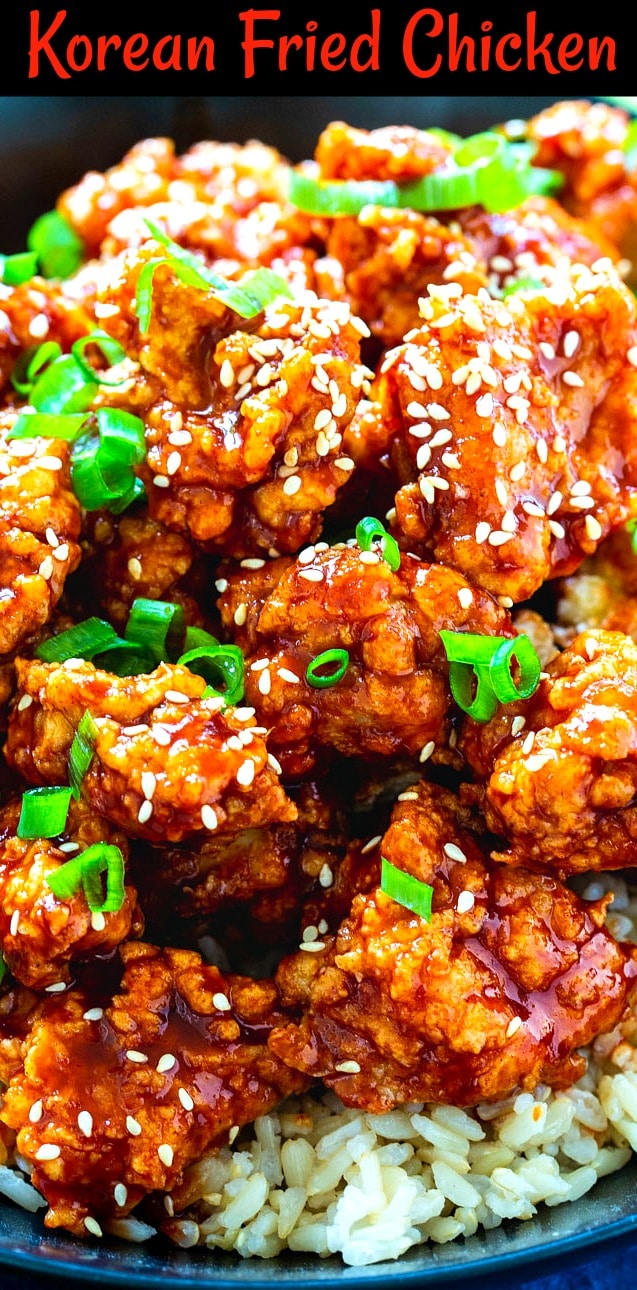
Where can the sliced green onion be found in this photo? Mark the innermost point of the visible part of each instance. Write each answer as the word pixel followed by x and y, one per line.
pixel 368 531
pixel 63 388
pixel 247 298
pixel 59 249
pixel 15 269
pixel 81 754
pixel 126 659
pixel 158 626
pixel 3 969
pixel 110 349
pixel 101 472
pixel 85 640
pixel 31 364
pixel 486 661
pixel 197 638
pixel 42 425
pixel 406 890
pixel 321 681
pixel 631 529
pixel 43 812
pixel 523 284
pixel 85 871
pixel 218 663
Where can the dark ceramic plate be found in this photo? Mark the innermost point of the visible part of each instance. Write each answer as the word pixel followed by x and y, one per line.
pixel 45 145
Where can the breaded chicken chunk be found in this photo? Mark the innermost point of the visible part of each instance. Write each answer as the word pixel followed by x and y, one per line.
pixel 511 427
pixel 115 1101
pixel 39 528
pixel 512 974
pixel 167 762
pixel 393 697
pixel 561 790
pixel 41 934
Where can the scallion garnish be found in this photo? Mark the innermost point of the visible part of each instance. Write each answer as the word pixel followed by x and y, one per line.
pixel 15 269
pixel 31 364
pixel 85 871
pixel 3 969
pixel 315 675
pixel 406 890
pixel 523 284
pixel 82 751
pixel 247 298
pixel 43 812
pixel 43 425
pixel 369 531
pixel 59 249
pixel 485 170
pixel 102 467
pixel 219 665
pixel 85 640
pixel 157 626
pixel 485 661
pixel 110 349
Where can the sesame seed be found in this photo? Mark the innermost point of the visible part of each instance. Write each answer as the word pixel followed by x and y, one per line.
pixel 259 664
pixel 580 488
pixel 185 1099
pixel 499 435
pixel 134 567
pixel 15 922
pixel 173 463
pixel 45 569
pixel 466 901
pixel 92 1226
pixel 287 675
pixel 292 485
pixel 557 529
pixel 572 378
pixel 221 1002
pixel 234 1133
pixel 134 1056
pixel 307 555
pixel 581 503
pixel 369 846
pixel 559 443
pixel 311 575
pixel 482 531
pixel 326 877
pixel 265 682
pixel 69 846
pixel 36 1112
pixel 94 1014
pixel 533 509
pixel 312 946
pixel 209 818
pixel 554 502
pixel 243 714
pixel 48 1151
pixel 517 725
pixel 593 528
pixel 322 419
pixel 169 1206
pixel 25 702
pixel 120 1195
pixel 450 460
pixel 176 421
pixel 546 349
pixel 160 481
pixel 369 557
pixel 509 522
pixel 222 585
pixel 58 987
pixel 513 1026
pixel 245 773
pixel 149 783
pixel 252 563
pixel 161 736
pixel 145 811
pixel 85 1123
pixel 165 1063
pixel 226 374
pixel 417 411
pixel 528 742
pixel 485 405
pixel 570 344
pixel 98 921
pixel 348 1068
pixel 454 852
pixel 345 463
pixel 426 751
pixel 240 614
pixel 407 797
pixel 133 1126
pixel 135 730
pixel 423 456
pixel 274 764
pixel 632 356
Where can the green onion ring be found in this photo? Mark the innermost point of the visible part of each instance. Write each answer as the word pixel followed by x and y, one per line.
pixel 85 871
pixel 215 661
pixel 44 812
pixel 406 890
pixel 81 753
pixel 368 531
pixel 339 656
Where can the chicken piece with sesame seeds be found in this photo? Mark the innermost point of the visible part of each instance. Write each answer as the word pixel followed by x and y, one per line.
pixel 560 769
pixel 125 557
pixel 392 152
pixel 39 531
pixel 393 697
pixel 589 144
pixel 244 422
pixel 34 312
pixel 512 974
pixel 520 455
pixel 168 763
pixel 40 934
pixel 115 1100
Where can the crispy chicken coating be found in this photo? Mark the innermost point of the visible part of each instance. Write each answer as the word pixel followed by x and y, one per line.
pixel 603 592
pixel 511 427
pixel 586 142
pixel 561 790
pixel 37 310
pixel 509 978
pixel 244 426
pixel 115 1101
pixel 132 555
pixel 39 528
pixel 168 763
pixel 40 934
pixel 393 698
pixel 392 152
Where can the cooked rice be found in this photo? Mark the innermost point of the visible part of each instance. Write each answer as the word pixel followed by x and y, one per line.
pixel 319 1178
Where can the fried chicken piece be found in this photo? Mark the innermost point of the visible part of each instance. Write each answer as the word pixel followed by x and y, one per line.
pixel 536 240
pixel 111 1126
pixel 510 977
pixel 603 592
pixel 398 152
pixel 383 261
pixel 39 528
pixel 562 789
pixel 394 697
pixel 39 933
pixel 37 310
pixel 511 428
pixel 586 142
pixel 130 556
pixel 167 764
pixel 243 427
